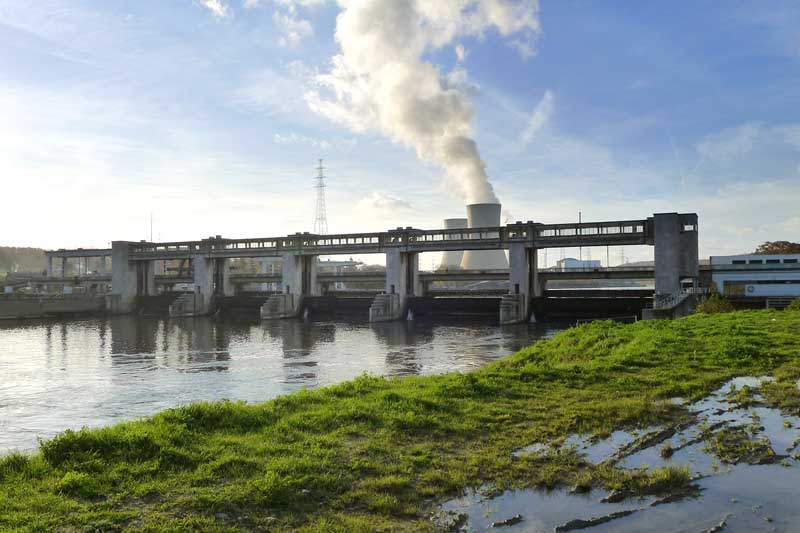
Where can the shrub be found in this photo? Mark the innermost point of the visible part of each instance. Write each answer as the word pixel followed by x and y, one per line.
pixel 13 463
pixel 794 306
pixel 715 304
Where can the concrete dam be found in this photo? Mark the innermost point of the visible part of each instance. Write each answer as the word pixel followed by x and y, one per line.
pixel 138 280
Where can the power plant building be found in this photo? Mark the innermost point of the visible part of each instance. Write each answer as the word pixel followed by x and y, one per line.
pixel 452 258
pixel 484 216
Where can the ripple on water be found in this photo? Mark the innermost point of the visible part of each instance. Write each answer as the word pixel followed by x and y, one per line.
pixel 57 375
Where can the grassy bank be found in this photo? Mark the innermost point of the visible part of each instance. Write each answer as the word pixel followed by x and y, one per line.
pixel 377 453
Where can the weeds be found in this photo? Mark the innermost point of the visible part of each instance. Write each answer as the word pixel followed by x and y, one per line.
pixel 376 453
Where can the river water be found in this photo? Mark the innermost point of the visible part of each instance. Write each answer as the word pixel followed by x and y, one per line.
pixel 56 375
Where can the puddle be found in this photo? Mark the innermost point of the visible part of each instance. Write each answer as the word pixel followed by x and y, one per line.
pixel 735 497
pixel 605 449
pixel 540 510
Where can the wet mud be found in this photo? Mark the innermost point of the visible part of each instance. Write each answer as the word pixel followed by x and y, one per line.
pixel 743 455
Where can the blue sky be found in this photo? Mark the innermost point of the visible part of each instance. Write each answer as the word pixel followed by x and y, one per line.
pixel 197 111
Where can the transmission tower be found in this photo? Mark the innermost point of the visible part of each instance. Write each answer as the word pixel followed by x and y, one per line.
pixel 321 218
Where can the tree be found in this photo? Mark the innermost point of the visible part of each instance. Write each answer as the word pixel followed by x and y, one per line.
pixel 778 247
pixel 714 304
pixel 24 259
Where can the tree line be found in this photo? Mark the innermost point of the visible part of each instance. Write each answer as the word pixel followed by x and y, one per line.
pixel 21 259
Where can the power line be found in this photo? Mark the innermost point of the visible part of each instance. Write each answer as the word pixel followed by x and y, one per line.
pixel 321 217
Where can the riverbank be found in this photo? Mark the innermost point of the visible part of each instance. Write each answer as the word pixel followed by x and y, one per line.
pixel 377 453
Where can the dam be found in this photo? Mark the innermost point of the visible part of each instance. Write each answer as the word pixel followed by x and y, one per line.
pixel 137 275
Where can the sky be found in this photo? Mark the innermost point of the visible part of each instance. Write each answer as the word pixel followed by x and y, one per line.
pixel 210 115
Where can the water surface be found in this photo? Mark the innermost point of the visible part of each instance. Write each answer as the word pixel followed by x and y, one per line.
pixel 56 375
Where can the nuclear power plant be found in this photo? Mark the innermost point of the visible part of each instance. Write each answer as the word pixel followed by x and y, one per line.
pixel 452 258
pixel 484 216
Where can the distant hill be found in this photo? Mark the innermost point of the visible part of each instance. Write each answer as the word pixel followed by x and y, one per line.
pixel 21 259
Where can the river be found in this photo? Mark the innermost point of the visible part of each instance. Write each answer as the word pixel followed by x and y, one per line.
pixel 57 375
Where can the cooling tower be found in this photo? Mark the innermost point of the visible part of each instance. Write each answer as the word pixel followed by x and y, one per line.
pixel 484 216
pixel 452 258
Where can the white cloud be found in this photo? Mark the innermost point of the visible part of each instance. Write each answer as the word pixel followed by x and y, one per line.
pixel 525 48
pixel 383 202
pixel 461 53
pixel 459 77
pixel 272 92
pixel 737 210
pixel 742 140
pixel 539 118
pixel 639 84
pixel 286 16
pixel 76 144
pixel 293 29
pixel 731 142
pixel 322 144
pixel 284 3
pixel 218 7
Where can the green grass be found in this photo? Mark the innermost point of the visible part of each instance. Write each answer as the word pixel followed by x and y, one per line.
pixel 377 454
pixel 734 445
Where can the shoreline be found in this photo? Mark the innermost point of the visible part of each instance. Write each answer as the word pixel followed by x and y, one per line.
pixel 377 453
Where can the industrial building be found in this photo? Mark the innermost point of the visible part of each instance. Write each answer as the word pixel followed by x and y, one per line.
pixel 571 263
pixel 478 216
pixel 452 258
pixel 759 280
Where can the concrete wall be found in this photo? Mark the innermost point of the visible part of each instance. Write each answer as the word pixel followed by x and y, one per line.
pixel 124 283
pixel 676 251
pixel 667 254
pixel 203 285
pixel 298 280
pixel 689 247
pixel 523 284
pixel 299 275
pixel 50 306
pixel 402 273
pixel 402 283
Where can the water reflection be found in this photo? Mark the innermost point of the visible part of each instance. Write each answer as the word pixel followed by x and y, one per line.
pixel 92 372
pixel 402 341
pixel 190 345
pixel 298 341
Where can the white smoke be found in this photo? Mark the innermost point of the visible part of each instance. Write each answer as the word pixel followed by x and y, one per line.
pixel 381 80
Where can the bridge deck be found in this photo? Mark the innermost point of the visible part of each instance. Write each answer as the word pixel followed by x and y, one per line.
pixel 79 252
pixel 626 232
pixel 619 273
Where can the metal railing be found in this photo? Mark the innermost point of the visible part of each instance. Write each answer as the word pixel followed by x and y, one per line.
pixel 670 301
pixel 589 229
pixel 412 239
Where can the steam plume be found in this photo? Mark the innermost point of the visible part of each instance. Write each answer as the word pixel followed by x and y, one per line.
pixel 381 80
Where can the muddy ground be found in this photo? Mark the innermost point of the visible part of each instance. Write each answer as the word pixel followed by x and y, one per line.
pixel 743 455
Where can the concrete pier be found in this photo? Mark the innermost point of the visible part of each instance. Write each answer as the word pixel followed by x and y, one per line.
pixel 298 280
pixel 124 280
pixel 523 284
pixel 402 283
pixel 211 281
pixel 676 251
